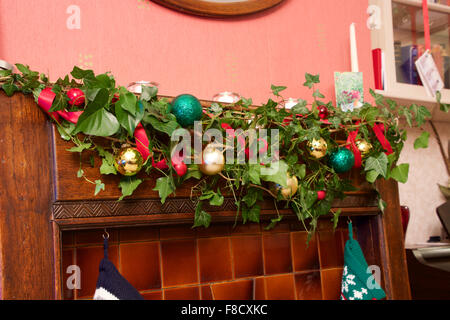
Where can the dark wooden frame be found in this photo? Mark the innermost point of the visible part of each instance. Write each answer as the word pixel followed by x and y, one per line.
pixel 213 9
pixel 40 197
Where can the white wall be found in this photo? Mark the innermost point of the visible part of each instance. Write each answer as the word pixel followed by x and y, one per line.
pixel 421 193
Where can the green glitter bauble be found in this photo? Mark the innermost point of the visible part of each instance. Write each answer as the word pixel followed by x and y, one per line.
pixel 342 160
pixel 187 109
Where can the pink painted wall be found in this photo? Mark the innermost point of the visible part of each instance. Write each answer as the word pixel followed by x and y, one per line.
pixel 140 40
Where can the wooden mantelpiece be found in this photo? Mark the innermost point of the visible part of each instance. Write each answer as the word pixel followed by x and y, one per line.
pixel 41 197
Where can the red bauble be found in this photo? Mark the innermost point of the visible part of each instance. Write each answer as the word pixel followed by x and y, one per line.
pixel 180 168
pixel 76 97
pixel 115 98
pixel 321 195
pixel 323 112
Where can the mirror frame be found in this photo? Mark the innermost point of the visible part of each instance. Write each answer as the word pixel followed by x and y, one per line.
pixel 216 9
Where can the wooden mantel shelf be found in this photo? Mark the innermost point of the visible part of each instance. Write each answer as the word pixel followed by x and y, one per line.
pixel 41 197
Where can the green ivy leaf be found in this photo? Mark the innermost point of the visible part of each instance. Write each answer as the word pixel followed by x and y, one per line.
pixel 422 141
pixel 277 89
pixel 335 122
pixel 127 101
pixel 95 120
pixel 408 115
pixel 278 176
pixel 300 108
pixel 254 172
pixel 217 199
pixel 335 218
pixel 165 187
pixel 400 173
pixel 378 164
pixel 421 113
pixel 148 93
pixel 166 127
pixel 254 213
pixel 317 94
pixel 371 176
pixel 311 80
pixel 201 218
pixel 300 170
pixel 59 103
pixel 253 194
pixel 80 173
pixel 24 69
pixel 127 120
pixel 369 114
pixel 79 73
pixel 99 186
pixel 379 99
pixel 107 166
pixel 128 185
pixel 9 88
pixel 81 147
pixel 310 198
pixel 66 130
pixel 193 172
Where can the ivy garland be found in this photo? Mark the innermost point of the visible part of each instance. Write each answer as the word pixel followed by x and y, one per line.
pixel 117 110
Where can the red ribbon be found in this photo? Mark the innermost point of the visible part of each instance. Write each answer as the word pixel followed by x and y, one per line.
pixel 381 137
pixel 70 116
pixel 426 24
pixel 352 140
pixel 142 143
pixel 45 101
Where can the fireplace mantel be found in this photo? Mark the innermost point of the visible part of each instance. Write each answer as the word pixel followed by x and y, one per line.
pixel 41 197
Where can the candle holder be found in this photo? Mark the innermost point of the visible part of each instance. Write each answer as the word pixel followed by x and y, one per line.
pixel 289 103
pixel 136 87
pixel 5 65
pixel 226 97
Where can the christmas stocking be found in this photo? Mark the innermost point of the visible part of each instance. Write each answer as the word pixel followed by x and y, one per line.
pixel 357 280
pixel 111 285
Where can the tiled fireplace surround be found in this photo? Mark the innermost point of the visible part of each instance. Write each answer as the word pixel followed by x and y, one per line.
pixel 221 262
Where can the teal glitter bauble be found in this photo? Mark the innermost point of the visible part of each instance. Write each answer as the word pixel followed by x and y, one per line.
pixel 342 160
pixel 186 109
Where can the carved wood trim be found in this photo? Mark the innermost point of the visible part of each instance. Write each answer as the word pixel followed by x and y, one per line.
pixel 113 208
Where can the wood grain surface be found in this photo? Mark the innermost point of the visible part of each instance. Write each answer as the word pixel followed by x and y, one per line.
pixel 211 8
pixel 25 200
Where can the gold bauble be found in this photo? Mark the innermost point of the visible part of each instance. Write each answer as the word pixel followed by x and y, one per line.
pixel 318 148
pixel 290 190
pixel 363 146
pixel 128 161
pixel 213 161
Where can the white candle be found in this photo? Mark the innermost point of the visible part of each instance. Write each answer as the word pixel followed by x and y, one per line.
pixel 353 48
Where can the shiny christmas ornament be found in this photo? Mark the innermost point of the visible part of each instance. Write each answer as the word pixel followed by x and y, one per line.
pixel 187 109
pixel 323 112
pixel 213 161
pixel 76 97
pixel 318 148
pixel 290 190
pixel 363 146
pixel 180 168
pixel 342 160
pixel 115 98
pixel 321 195
pixel 128 161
